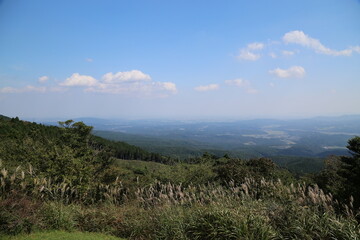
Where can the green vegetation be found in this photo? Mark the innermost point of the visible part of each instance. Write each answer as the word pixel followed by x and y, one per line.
pixel 66 150
pixel 61 235
pixel 300 165
pixel 123 150
pixel 341 175
pixel 184 150
pixel 146 173
pixel 64 179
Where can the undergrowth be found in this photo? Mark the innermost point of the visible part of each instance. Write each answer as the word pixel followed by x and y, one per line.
pixel 252 209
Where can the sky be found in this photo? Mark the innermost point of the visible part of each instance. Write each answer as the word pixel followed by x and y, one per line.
pixel 181 59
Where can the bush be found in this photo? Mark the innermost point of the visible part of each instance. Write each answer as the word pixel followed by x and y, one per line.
pixel 18 214
pixel 57 216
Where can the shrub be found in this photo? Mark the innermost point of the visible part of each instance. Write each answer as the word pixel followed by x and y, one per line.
pixel 18 214
pixel 57 216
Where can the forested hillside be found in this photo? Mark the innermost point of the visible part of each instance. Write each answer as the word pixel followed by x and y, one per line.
pixel 64 178
pixel 26 142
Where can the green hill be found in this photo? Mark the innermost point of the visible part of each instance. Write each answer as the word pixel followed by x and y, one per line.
pixel 2 117
pixel 25 142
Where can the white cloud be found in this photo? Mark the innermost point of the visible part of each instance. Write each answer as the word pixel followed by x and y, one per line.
pixel 273 55
pixel 43 79
pixel 242 83
pixel 272 84
pixel 238 82
pixel 248 52
pixel 142 88
pixel 299 37
pixel 168 86
pixel 206 88
pixel 247 55
pixel 134 75
pixel 130 82
pixel 133 83
pixel 89 59
pixel 288 53
pixel 292 72
pixel 79 80
pixel 28 88
pixel 255 46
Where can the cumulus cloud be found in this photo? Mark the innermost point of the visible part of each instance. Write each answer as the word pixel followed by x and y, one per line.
pixel 292 72
pixel 206 88
pixel 247 55
pixel 148 88
pixel 299 37
pixel 134 75
pixel 248 52
pixel 167 86
pixel 43 79
pixel 79 80
pixel 28 88
pixel 130 82
pixel 242 83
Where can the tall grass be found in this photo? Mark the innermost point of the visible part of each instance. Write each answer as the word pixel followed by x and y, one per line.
pixel 254 209
pixel 27 182
pixel 250 190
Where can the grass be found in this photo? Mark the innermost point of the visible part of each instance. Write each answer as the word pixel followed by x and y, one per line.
pixel 251 209
pixel 61 235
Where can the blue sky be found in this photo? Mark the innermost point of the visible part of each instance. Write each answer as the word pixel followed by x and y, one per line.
pixel 179 59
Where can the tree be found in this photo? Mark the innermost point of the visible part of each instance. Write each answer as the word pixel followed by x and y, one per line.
pixel 228 169
pixel 341 175
pixel 350 170
pixel 354 146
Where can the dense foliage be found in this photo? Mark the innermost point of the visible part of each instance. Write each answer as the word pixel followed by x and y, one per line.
pixel 67 152
pixel 123 150
pixel 60 153
pixel 341 175
pixel 295 159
